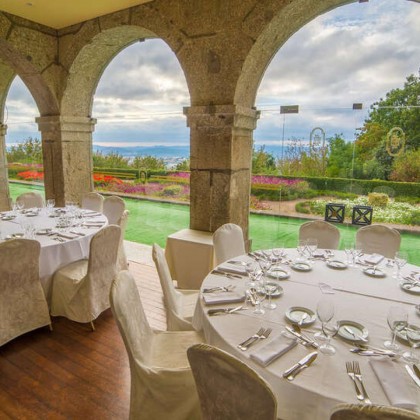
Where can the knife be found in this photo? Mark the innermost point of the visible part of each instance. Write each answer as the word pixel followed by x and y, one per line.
pixel 300 365
pixel 225 310
pixel 412 374
pixel 303 338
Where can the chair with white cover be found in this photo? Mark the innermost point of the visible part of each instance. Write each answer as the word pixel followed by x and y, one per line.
pixel 80 290
pixel 30 200
pixel 228 388
pixel 92 201
pixel 179 304
pixel 115 212
pixel 327 235
pixel 228 242
pixel 23 306
pixel 162 385
pixel 378 239
pixel 371 412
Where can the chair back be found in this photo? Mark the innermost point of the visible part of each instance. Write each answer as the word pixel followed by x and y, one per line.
pixel 129 314
pixel 371 412
pixel 215 372
pixel 378 239
pixel 23 306
pixel 92 201
pixel 102 267
pixel 30 200
pixel 113 209
pixel 171 297
pixel 328 235
pixel 228 242
pixel 122 263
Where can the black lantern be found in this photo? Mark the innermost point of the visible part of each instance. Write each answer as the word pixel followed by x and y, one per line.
pixel 334 212
pixel 362 215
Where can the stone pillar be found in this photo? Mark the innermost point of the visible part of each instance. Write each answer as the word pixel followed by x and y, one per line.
pixel 67 155
pixel 4 178
pixel 221 154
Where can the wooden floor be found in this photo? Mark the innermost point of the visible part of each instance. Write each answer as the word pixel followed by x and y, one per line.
pixel 72 372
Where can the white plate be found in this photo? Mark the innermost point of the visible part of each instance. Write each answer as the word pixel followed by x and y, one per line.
pixel 406 285
pixel 301 266
pixel 358 329
pixel 337 264
pixel 295 313
pixel 371 272
pixel 278 273
pixel 44 231
pixel 31 214
pixel 402 334
pixel 276 293
pixel 8 218
pixel 14 236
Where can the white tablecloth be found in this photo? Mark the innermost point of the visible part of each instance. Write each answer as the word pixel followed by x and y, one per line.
pixel 55 254
pixel 357 297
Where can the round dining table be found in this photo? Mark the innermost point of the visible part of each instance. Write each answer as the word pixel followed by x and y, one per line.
pixel 59 245
pixel 361 294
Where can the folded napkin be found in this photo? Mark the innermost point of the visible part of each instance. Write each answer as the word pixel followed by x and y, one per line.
pixel 91 213
pixel 226 297
pixel 232 269
pixel 374 259
pixel 394 382
pixel 319 253
pixel 273 350
pixel 67 235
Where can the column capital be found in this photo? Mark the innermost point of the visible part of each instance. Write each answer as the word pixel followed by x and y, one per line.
pixel 235 116
pixel 66 123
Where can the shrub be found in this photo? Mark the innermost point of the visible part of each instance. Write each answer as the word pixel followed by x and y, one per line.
pixel 415 218
pixel 31 175
pixel 303 207
pixel 256 204
pixel 378 199
pixel 172 190
pixel 101 180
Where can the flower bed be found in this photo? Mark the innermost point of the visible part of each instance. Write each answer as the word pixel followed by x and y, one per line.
pixel 33 175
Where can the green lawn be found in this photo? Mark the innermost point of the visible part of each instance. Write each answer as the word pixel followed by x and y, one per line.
pixel 151 222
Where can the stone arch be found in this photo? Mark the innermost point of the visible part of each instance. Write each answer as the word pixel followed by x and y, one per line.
pixel 283 25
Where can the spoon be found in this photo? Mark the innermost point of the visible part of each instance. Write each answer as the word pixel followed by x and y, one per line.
pixel 302 320
pixel 356 336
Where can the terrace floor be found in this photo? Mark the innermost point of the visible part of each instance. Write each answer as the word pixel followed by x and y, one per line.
pixel 73 372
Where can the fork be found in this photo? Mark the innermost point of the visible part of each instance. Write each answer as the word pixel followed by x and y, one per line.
pixel 351 374
pixel 358 375
pixel 261 336
pixel 253 337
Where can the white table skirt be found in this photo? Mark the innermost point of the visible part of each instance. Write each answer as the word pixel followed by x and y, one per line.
pixel 54 254
pixel 315 391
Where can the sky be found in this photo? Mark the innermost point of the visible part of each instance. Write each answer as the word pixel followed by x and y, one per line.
pixel 353 54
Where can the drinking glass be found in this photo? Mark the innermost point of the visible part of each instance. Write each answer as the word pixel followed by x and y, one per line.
pixel 330 329
pixel 325 312
pixel 253 271
pixel 258 297
pixel 301 248
pixel 397 320
pixel 413 338
pixel 50 203
pixel 348 249
pixel 269 289
pixel 400 261
pixel 311 246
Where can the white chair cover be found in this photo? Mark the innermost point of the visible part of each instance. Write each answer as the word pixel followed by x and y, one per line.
pixel 30 200
pixel 80 290
pixel 378 239
pixel 93 201
pixel 328 235
pixel 23 306
pixel 228 242
pixel 179 304
pixel 162 385
pixel 122 263
pixel 228 388
pixel 113 209
pixel 371 412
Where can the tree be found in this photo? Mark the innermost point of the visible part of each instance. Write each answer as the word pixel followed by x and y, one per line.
pixel 183 166
pixel 28 151
pixel 407 167
pixel 148 162
pixel 263 162
pixel 110 160
pixel 398 109
pixel 339 158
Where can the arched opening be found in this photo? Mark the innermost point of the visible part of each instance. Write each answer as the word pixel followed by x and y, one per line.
pixel 334 69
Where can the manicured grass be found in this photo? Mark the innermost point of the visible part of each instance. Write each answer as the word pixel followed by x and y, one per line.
pixel 151 222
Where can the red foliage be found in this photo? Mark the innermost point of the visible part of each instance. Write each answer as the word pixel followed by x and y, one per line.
pixel 31 175
pixel 101 179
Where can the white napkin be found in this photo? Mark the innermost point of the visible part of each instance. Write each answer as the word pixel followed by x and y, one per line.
pixel 394 382
pixel 374 259
pixel 67 235
pixel 273 350
pixel 319 253
pixel 227 297
pixel 233 269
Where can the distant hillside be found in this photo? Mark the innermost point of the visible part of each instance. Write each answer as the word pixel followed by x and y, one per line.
pixel 157 151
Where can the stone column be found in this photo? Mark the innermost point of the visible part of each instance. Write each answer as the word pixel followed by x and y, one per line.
pixel 4 178
pixel 221 153
pixel 67 155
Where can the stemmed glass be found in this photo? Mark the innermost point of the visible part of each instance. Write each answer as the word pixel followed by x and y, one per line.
pixel 348 249
pixel 258 296
pixel 50 204
pixel 325 312
pixel 269 289
pixel 397 320
pixel 400 261
pixel 301 248
pixel 413 338
pixel 311 246
pixel 253 272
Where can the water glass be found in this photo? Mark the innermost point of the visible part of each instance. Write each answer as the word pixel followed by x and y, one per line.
pixel 311 246
pixel 348 249
pixel 325 312
pixel 400 261
pixel 413 338
pixel 301 248
pixel 269 289
pixel 397 320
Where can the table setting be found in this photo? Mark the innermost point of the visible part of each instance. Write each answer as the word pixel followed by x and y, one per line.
pixel 322 343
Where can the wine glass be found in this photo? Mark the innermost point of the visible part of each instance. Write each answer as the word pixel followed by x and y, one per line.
pixel 325 312
pixel 270 289
pixel 348 249
pixel 400 261
pixel 330 329
pixel 253 271
pixel 413 338
pixel 301 247
pixel 258 296
pixel 311 246
pixel 397 320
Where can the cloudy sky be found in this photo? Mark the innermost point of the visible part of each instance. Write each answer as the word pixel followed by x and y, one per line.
pixel 353 54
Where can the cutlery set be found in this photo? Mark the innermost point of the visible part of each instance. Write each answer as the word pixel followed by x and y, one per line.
pixel 303 363
pixel 354 373
pixel 227 288
pixel 414 373
pixel 261 334
pixel 221 311
pixel 226 274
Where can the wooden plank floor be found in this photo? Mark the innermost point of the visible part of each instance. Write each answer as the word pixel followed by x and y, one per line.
pixel 72 372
